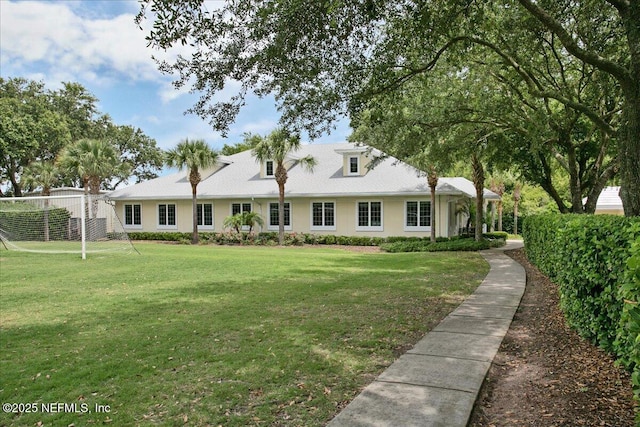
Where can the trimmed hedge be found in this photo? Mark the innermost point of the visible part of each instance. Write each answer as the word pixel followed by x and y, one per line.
pixel 263 238
pixel 629 332
pixel 390 244
pixel 447 245
pixel 28 225
pixel 594 259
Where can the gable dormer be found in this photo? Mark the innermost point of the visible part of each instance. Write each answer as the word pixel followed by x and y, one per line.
pixel 221 163
pixel 355 160
pixel 268 167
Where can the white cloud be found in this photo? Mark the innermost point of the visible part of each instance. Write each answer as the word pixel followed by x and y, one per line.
pixel 261 127
pixel 71 47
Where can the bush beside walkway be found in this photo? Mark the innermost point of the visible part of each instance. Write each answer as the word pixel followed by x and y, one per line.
pixel 595 260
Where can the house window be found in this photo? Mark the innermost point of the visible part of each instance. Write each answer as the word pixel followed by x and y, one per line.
pixel 417 215
pixel 369 216
pixel 133 216
pixel 323 216
pixel 268 168
pixel 354 165
pixel 205 215
pixel 237 208
pixel 166 216
pixel 274 216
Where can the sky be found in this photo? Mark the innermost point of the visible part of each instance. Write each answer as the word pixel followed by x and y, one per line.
pixel 97 44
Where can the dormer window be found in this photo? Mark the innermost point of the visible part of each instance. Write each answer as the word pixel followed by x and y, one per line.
pixel 354 165
pixel 269 169
pixel 355 160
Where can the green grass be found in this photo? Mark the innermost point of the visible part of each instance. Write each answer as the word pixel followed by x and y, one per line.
pixel 211 335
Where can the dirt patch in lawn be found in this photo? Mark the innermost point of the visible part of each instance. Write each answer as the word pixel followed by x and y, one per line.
pixel 546 375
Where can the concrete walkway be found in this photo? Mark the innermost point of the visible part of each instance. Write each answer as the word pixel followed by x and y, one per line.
pixel 437 382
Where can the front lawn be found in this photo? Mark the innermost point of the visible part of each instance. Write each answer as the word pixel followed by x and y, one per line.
pixel 211 335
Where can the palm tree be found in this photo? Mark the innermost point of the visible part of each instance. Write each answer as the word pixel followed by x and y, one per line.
pixel 43 174
pixel 194 156
pixel 277 146
pixel 478 182
pixel 517 193
pixel 233 221
pixel 497 186
pixel 251 219
pixel 94 161
pixel 237 221
pixel 432 180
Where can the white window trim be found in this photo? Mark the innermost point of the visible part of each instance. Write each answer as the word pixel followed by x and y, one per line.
pixel 124 217
pixel 370 228
pixel 323 227
pixel 277 227
pixel 356 173
pixel 273 175
pixel 213 217
pixel 239 203
pixel 419 227
pixel 166 227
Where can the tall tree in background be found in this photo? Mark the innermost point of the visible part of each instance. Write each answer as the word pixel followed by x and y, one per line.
pixel 613 48
pixel 44 175
pixel 194 156
pixel 277 147
pixel 79 109
pixel 324 59
pixel 391 128
pixel 31 129
pixel 137 149
pixel 36 124
pixel 95 161
pixel 516 201
pixel 497 186
pixel 249 142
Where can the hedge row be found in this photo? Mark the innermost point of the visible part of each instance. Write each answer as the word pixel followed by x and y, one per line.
pixel 468 244
pixel 29 224
pixel 271 238
pixel 595 260
pixel 264 238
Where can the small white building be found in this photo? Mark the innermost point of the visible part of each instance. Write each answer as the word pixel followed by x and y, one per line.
pixel 609 202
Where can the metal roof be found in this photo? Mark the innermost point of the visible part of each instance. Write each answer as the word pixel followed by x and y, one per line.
pixel 239 177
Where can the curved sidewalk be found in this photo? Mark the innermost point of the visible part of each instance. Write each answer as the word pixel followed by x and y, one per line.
pixel 437 382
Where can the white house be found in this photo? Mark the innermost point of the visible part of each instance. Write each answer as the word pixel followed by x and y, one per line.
pixel 342 196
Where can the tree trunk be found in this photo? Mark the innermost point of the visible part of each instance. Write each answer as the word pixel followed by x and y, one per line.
pixel 281 179
pixel 547 185
pixel 85 186
pixel 94 190
pixel 498 188
pixel 516 201
pixel 478 182
pixel 11 174
pixel 629 144
pixel 432 179
pixel 597 187
pixel 575 185
pixel 195 239
pixel 46 192
pixel 194 180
